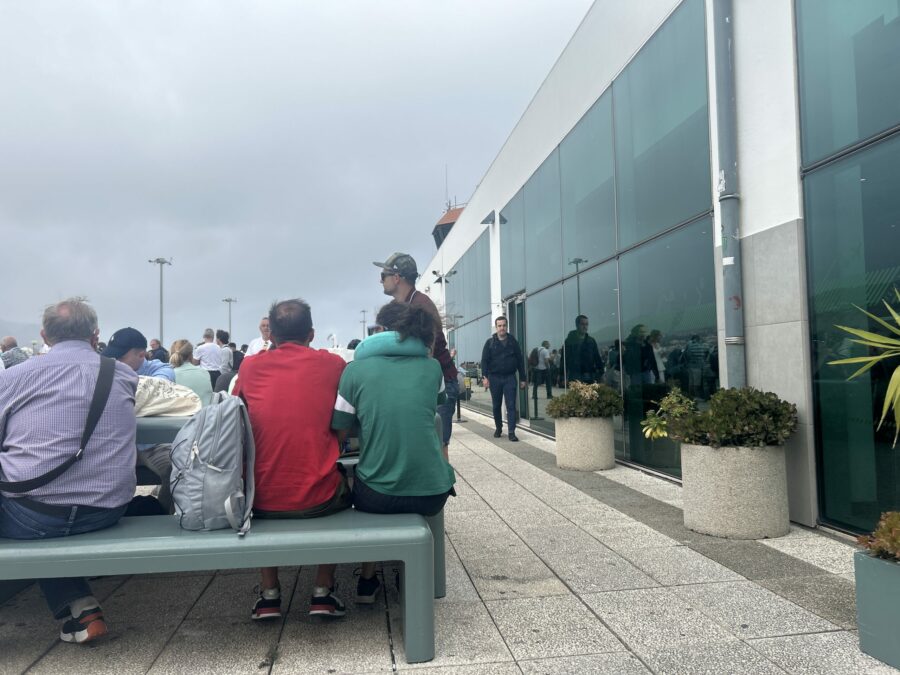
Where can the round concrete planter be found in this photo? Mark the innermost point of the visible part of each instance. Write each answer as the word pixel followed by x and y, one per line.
pixel 736 493
pixel 585 443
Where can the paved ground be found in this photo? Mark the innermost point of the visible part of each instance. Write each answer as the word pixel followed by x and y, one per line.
pixel 549 571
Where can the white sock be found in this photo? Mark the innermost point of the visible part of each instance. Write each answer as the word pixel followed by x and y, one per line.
pixel 272 593
pixel 78 606
pixel 321 591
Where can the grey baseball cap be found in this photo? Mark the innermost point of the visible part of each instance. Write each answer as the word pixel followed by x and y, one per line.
pixel 400 263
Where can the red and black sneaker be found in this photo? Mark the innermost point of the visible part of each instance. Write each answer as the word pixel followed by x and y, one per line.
pixel 268 605
pixel 87 626
pixel 326 603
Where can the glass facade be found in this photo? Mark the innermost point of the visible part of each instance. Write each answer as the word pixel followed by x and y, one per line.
pixel 602 291
pixel 849 74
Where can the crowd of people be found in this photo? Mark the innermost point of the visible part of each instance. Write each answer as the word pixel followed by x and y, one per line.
pixel 302 403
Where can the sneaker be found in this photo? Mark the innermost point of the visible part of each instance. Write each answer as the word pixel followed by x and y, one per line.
pixel 325 603
pixel 366 590
pixel 88 626
pixel 497 433
pixel 268 605
pixel 513 438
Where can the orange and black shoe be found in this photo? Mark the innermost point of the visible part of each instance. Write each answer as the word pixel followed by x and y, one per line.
pixel 87 626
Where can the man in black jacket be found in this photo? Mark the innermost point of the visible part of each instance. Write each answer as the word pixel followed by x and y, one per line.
pixel 501 359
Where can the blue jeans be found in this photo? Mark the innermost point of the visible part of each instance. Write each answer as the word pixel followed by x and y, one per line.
pixel 504 387
pixel 17 521
pixel 446 410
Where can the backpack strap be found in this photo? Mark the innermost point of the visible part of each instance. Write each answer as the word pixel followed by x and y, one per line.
pixel 241 521
pixel 98 403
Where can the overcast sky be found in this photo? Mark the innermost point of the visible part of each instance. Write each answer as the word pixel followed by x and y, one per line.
pixel 271 149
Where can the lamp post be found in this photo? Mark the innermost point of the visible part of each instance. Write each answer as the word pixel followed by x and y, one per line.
pixel 161 262
pixel 577 262
pixel 229 301
pixel 363 322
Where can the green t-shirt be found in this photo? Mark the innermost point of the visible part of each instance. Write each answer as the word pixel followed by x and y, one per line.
pixel 392 388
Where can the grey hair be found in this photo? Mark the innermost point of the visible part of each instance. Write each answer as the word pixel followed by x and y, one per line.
pixel 70 319
pixel 209 333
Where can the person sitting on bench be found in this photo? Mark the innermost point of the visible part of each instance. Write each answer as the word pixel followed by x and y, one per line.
pixel 392 388
pixel 45 403
pixel 289 392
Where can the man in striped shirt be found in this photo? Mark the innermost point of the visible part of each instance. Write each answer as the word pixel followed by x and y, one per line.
pixel 44 404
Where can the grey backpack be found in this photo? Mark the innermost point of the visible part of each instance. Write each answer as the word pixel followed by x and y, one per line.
pixel 212 462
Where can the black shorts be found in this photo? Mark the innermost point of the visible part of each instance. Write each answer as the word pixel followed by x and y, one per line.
pixel 371 501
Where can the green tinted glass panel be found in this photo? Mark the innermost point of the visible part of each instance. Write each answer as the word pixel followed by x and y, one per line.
pixel 668 332
pixel 543 323
pixel 469 342
pixel 849 61
pixel 662 129
pixel 512 246
pixel 588 188
pixel 543 238
pixel 852 231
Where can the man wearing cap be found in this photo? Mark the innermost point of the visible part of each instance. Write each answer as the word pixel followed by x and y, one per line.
pixel 129 346
pixel 45 405
pixel 398 279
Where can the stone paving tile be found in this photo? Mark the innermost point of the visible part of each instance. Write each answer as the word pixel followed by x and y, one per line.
pixel 596 569
pixel 464 634
pixel 821 654
pixel 233 595
pixel 628 535
pixel 752 560
pixel 355 643
pixel 714 659
pixel 617 663
pixel 469 501
pixel 555 626
pixel 831 555
pixel 459 585
pixel 655 619
pixel 832 597
pixel 508 668
pixel 27 630
pixel 483 534
pixel 749 611
pixel 677 565
pixel 505 578
pixel 149 599
pixel 593 513
pixel 218 647
pixel 556 539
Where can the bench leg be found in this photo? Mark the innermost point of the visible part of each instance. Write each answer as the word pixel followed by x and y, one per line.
pixel 436 523
pixel 417 596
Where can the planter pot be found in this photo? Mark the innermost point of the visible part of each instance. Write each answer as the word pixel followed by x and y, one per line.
pixel 585 443
pixel 736 493
pixel 878 606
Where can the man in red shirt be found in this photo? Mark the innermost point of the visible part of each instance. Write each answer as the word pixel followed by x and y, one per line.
pixel 290 392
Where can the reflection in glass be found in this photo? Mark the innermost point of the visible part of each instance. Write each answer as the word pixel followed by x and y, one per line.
pixel 543 238
pixel 543 337
pixel 512 247
pixel 588 189
pixel 469 339
pixel 669 323
pixel 853 214
pixel 849 61
pixel 662 129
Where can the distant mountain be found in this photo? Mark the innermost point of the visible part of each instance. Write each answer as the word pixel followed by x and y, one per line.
pixel 23 332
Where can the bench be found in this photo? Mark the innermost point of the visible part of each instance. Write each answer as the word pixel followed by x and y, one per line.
pixel 156 544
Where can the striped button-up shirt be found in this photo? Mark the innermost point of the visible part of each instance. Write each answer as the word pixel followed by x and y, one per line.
pixel 44 404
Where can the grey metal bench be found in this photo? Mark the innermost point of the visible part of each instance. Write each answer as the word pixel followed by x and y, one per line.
pixel 156 544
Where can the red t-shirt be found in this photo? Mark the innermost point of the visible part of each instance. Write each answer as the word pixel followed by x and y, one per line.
pixel 290 394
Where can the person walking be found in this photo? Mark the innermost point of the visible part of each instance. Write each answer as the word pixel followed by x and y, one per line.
pixel 501 359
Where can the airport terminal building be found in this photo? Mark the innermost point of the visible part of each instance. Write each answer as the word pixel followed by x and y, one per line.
pixel 721 181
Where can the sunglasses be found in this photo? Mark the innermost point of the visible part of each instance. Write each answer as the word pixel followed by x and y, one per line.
pixel 385 275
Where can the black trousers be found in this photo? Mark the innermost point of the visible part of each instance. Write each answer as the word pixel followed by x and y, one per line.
pixel 504 387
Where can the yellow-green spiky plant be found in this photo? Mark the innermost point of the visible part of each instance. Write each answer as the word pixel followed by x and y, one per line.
pixel 889 347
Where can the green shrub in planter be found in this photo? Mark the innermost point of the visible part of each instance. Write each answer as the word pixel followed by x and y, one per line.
pixel 586 400
pixel 884 542
pixel 735 418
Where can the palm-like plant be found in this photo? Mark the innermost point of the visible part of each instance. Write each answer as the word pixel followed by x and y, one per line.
pixel 888 347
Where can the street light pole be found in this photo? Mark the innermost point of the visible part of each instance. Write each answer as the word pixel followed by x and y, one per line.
pixel 229 301
pixel 577 262
pixel 160 262
pixel 363 322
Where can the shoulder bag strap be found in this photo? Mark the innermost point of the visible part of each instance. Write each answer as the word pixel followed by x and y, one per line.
pixel 98 403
